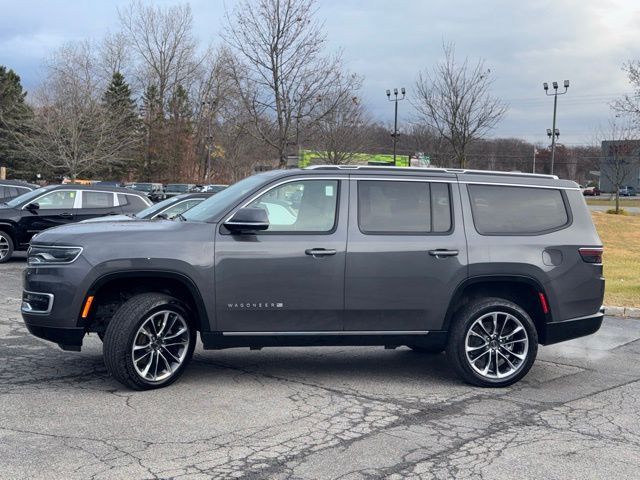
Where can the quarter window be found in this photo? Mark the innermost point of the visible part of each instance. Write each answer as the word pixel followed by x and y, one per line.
pixel 304 206
pixel 97 199
pixel 500 210
pixel 388 207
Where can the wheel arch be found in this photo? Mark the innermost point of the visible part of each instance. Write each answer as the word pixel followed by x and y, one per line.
pixel 520 289
pixel 112 287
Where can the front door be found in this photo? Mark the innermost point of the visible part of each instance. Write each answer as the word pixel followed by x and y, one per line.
pixel 54 209
pixel 289 278
pixel 406 254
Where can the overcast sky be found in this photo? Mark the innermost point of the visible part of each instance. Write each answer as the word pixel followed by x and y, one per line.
pixel 524 43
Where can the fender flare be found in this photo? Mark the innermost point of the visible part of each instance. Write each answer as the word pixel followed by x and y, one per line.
pixel 185 280
pixel 458 294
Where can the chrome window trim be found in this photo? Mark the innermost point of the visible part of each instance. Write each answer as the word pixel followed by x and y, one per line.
pixel 328 332
pixel 38 312
pixel 54 263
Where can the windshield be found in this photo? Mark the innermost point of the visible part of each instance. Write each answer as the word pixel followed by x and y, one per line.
pixel 218 203
pixel 153 209
pixel 26 197
pixel 142 187
pixel 177 187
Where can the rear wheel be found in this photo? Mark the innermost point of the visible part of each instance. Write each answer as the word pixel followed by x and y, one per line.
pixel 6 247
pixel 493 343
pixel 149 341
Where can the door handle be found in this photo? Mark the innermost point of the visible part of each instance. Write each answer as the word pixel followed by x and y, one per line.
pixel 320 252
pixel 66 215
pixel 443 252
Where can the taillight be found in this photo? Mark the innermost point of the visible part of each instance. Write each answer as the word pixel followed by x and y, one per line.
pixel 591 255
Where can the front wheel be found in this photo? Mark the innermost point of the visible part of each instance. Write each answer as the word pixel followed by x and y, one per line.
pixel 492 343
pixel 149 341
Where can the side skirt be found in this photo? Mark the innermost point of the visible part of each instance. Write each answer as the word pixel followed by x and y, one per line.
pixel 256 340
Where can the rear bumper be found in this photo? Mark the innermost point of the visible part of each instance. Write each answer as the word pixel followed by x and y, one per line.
pixel 556 332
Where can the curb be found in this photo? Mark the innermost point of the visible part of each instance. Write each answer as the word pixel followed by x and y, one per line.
pixel 622 311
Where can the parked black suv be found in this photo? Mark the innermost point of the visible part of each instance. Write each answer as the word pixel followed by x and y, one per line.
pixel 14 188
pixel 483 265
pixel 32 212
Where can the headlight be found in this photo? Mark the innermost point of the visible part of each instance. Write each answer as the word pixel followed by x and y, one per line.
pixel 45 255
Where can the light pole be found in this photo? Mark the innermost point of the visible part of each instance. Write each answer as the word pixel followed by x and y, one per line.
pixel 553 136
pixel 395 99
pixel 555 94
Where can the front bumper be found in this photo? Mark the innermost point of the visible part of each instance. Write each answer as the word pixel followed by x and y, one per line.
pixel 66 338
pixel 556 332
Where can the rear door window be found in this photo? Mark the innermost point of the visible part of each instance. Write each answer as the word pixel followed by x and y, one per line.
pixel 403 207
pixel 502 210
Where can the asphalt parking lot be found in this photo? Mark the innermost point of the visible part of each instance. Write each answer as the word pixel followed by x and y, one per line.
pixel 356 413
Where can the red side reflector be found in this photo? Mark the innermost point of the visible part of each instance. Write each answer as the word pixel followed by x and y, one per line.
pixel 591 254
pixel 543 303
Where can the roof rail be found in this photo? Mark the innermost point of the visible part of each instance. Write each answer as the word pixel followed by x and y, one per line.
pixel 429 169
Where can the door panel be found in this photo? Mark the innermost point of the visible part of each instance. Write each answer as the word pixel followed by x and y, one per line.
pixel 401 273
pixel 277 280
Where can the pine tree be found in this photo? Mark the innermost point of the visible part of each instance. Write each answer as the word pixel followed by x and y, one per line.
pixel 153 125
pixel 181 148
pixel 121 113
pixel 14 117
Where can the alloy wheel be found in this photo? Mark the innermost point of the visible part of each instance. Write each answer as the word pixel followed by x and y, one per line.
pixel 4 246
pixel 160 345
pixel 497 345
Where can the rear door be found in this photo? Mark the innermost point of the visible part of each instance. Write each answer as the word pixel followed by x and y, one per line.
pixel 406 252
pixel 289 278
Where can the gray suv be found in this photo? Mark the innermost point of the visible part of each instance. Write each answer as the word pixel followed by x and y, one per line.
pixel 484 265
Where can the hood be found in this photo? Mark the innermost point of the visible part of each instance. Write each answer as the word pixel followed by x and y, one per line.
pixel 117 234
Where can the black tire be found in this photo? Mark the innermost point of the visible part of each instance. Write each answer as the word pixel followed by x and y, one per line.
pixel 463 322
pixel 434 350
pixel 6 242
pixel 122 332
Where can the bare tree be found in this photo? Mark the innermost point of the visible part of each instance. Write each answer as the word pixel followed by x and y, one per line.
pixel 454 98
pixel 163 42
pixel 71 130
pixel 280 72
pixel 113 56
pixel 341 132
pixel 619 152
pixel 630 104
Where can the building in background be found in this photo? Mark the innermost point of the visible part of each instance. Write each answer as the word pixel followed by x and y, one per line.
pixel 620 164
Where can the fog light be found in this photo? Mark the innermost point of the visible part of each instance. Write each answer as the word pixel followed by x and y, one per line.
pixel 33 302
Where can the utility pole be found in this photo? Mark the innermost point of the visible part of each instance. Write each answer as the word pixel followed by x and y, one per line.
pixel 555 94
pixel 394 135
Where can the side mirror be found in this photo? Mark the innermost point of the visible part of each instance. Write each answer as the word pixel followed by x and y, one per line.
pixel 247 220
pixel 32 207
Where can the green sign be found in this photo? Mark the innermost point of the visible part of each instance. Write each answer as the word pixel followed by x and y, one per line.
pixel 310 157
